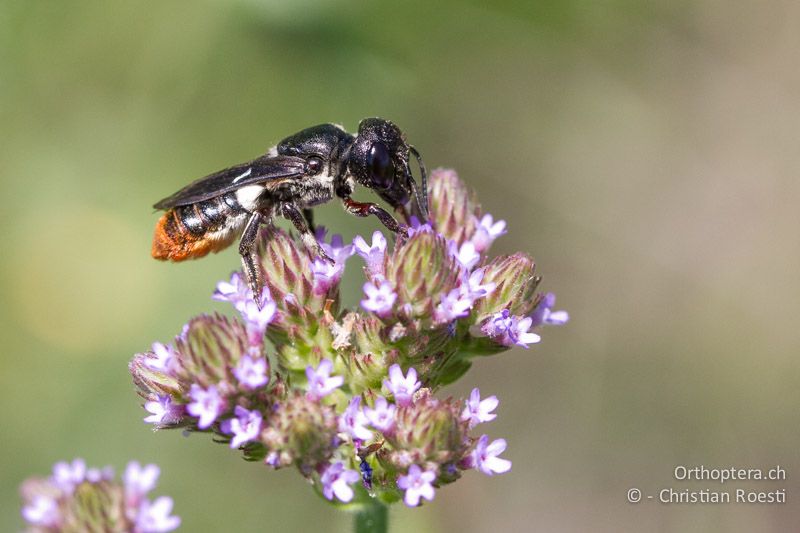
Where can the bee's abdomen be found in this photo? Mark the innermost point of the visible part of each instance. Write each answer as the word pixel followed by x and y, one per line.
pixel 192 231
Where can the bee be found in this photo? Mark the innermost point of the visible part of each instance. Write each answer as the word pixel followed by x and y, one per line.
pixel 303 170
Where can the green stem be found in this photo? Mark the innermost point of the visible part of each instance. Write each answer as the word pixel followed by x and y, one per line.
pixel 372 517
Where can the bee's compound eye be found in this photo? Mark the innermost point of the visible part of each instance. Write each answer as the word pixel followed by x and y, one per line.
pixel 379 163
pixel 314 164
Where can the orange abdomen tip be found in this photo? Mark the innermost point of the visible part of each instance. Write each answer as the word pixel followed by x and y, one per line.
pixel 172 242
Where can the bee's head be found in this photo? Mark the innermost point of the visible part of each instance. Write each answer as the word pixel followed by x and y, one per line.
pixel 379 160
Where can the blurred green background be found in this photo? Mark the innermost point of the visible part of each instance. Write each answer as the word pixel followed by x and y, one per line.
pixel 645 152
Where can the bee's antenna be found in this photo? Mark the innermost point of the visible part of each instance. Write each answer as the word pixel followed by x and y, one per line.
pixel 423 202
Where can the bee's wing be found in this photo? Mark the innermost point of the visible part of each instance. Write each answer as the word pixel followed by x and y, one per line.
pixel 259 170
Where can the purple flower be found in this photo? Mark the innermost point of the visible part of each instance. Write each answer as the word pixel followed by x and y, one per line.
pixel 373 254
pixel 252 372
pixel 235 291
pixel 417 484
pixel 320 382
pixel 163 411
pixel 487 231
pixel 353 421
pixel 485 456
pixel 402 387
pixel 336 249
pixel 416 226
pixel 153 517
pixel 466 255
pixel 139 481
pixel 256 320
pixel 256 317
pixel 510 330
pixel 326 275
pixel 42 511
pixel 245 427
pixel 380 298
pixel 96 475
pixel 382 415
pixel 477 410
pixel 336 481
pixel 455 304
pixel 164 358
pixel 544 315
pixel 207 404
pixel 273 459
pixel 67 476
pixel 473 284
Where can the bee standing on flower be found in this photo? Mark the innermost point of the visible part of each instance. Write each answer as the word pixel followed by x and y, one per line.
pixel 306 169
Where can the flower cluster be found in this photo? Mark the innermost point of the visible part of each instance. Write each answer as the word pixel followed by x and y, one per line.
pixel 348 395
pixel 77 498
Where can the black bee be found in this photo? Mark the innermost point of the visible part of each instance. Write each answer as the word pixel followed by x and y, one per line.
pixel 306 169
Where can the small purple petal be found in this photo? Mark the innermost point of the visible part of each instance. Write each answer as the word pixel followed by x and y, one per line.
pixel 67 476
pixel 487 231
pixel 163 411
pixel 477 410
pixel 453 305
pixel 154 517
pixel 336 481
pixel 235 291
pixel 510 330
pixel 372 253
pixel 320 382
pixel 485 456
pixel 402 387
pixel 139 480
pixel 544 314
pixel 474 285
pixel 207 405
pixel 416 226
pixel 252 372
pixel 417 484
pixel 380 298
pixel 353 421
pixel 382 415
pixel 164 359
pixel 466 254
pixel 42 511
pixel 245 427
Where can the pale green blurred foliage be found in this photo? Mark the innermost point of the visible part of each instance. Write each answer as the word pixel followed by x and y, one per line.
pixel 644 152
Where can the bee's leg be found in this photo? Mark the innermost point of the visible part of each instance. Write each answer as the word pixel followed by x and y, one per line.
pixel 365 209
pixel 291 212
pixel 247 248
pixel 309 216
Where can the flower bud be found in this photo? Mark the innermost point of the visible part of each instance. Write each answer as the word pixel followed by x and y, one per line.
pixel 301 431
pixel 421 270
pixel 151 383
pixel 515 286
pixel 288 273
pixel 95 507
pixel 209 349
pixel 454 207
pixel 427 431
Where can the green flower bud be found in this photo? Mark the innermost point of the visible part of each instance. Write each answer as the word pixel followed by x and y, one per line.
pixel 209 349
pixel 96 507
pixel 286 266
pixel 454 206
pixel 300 431
pixel 515 286
pixel 151 383
pixel 422 269
pixel 427 431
